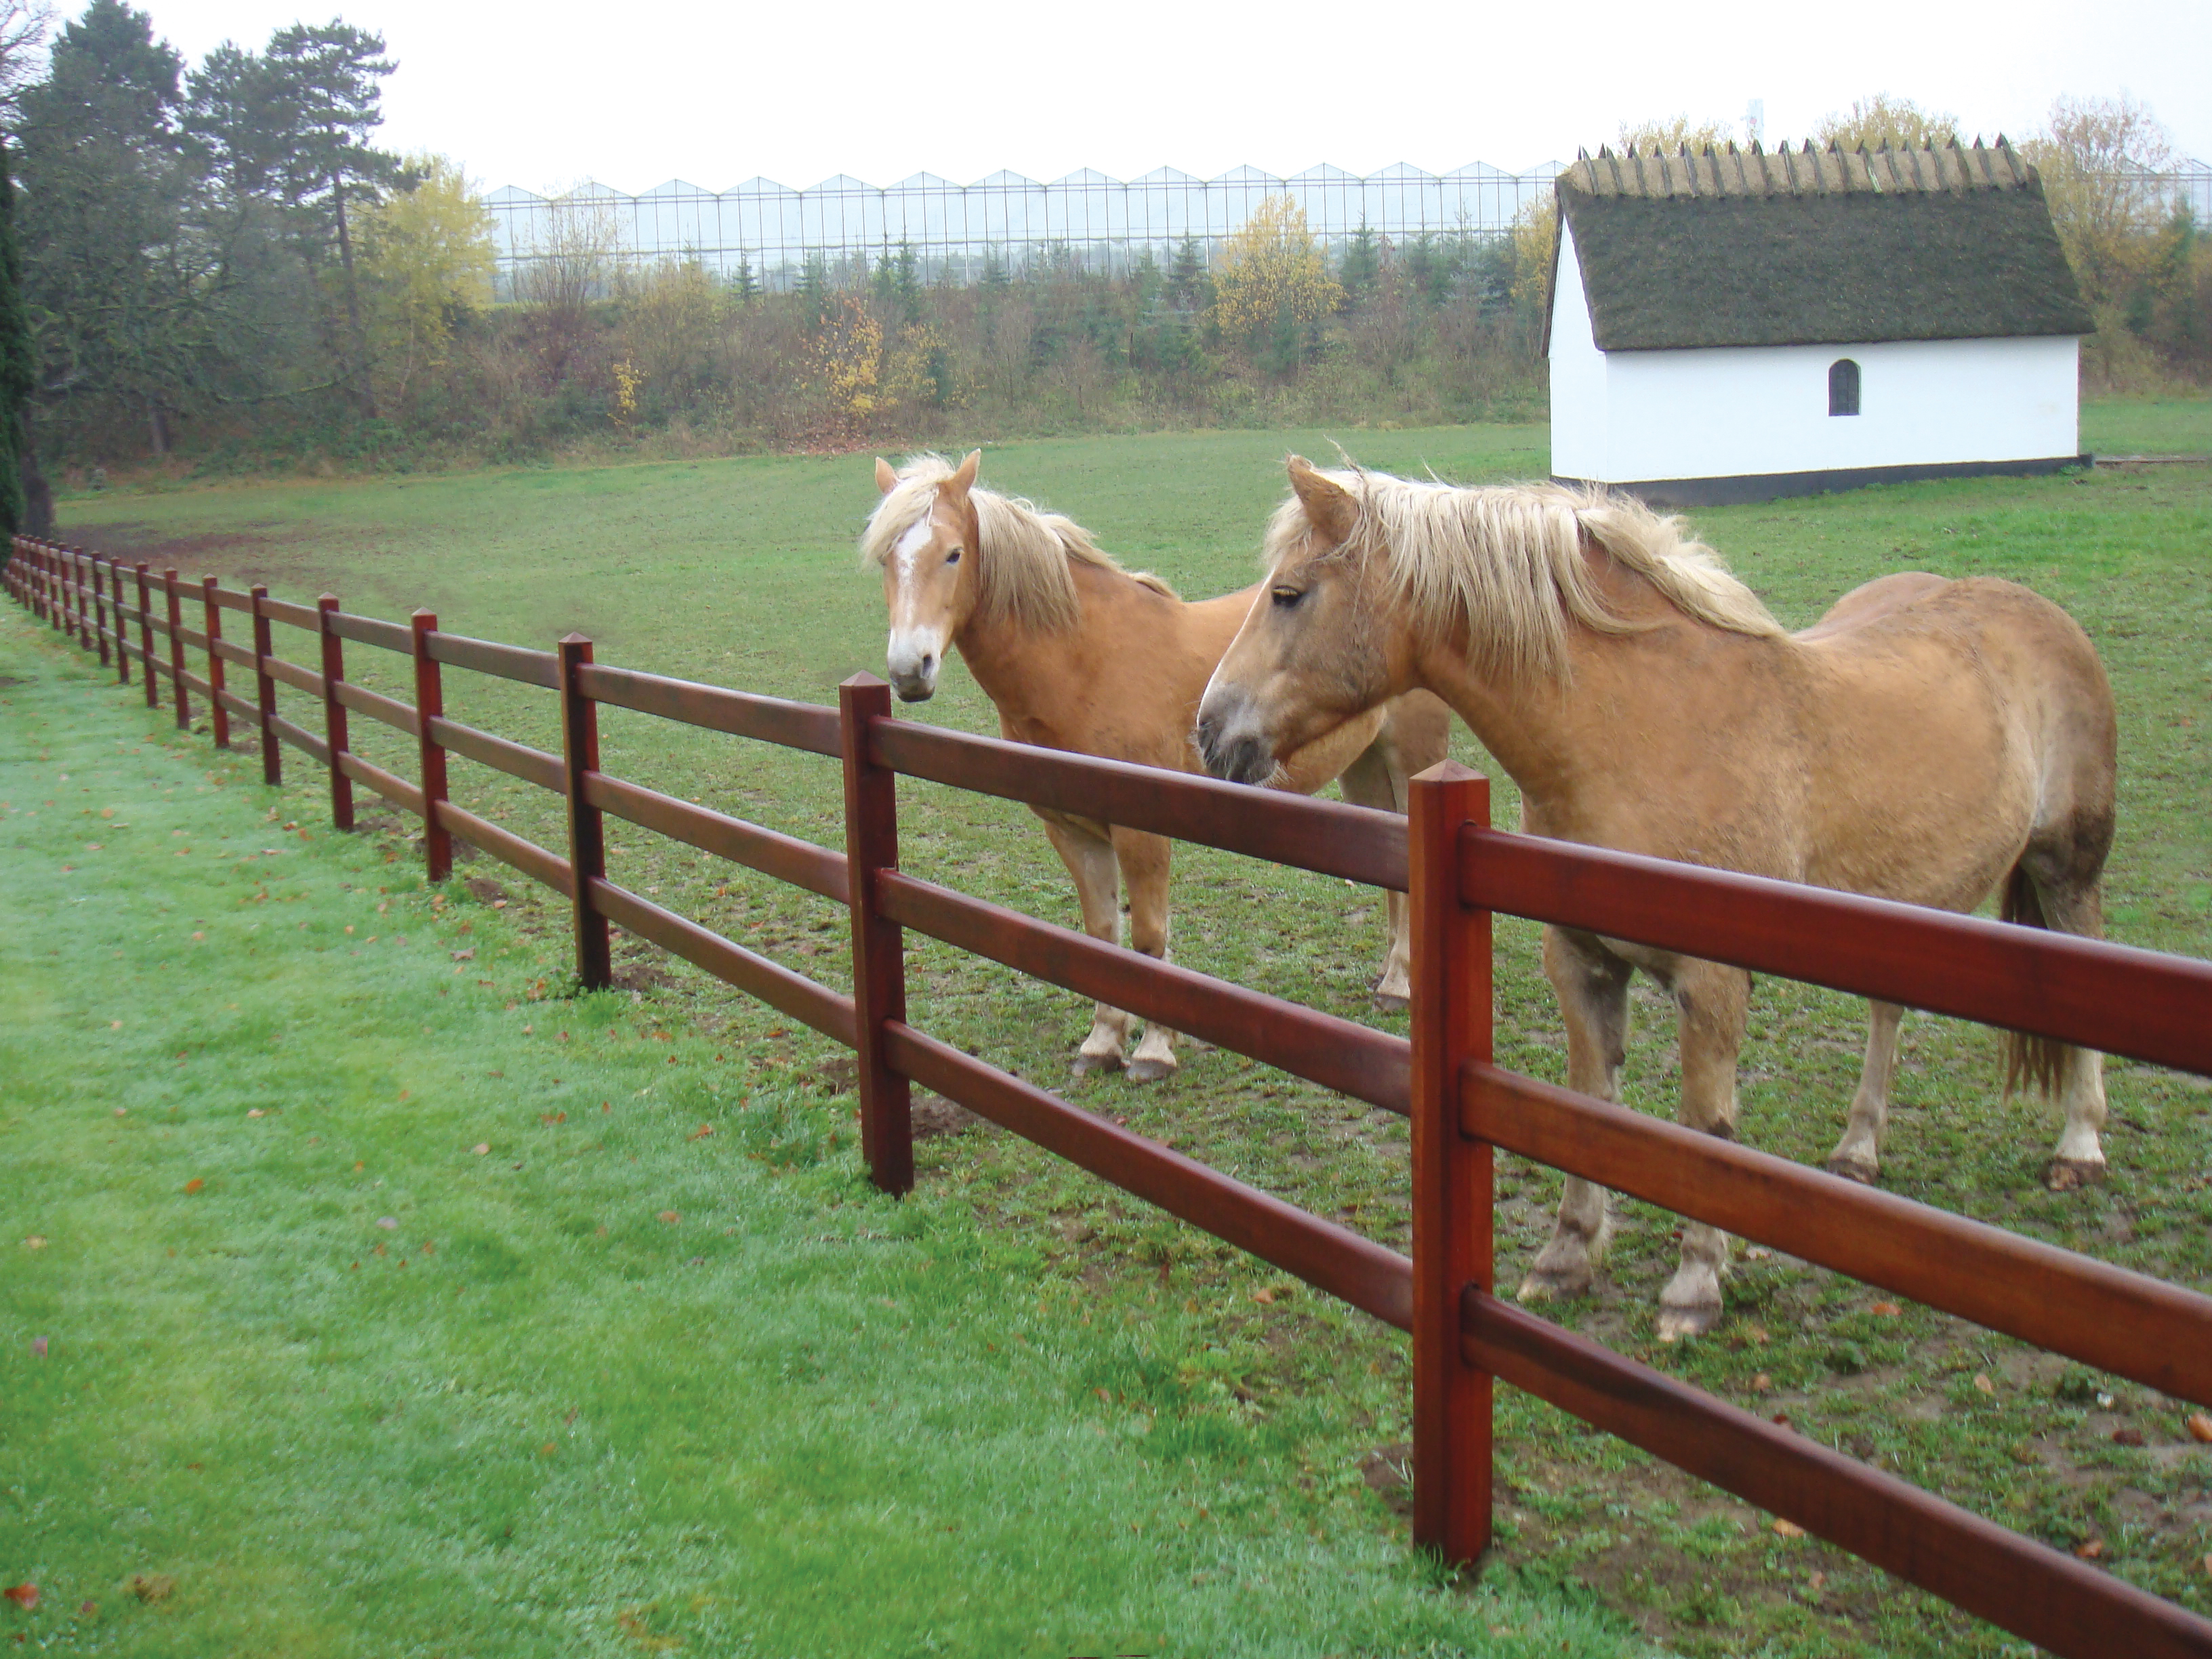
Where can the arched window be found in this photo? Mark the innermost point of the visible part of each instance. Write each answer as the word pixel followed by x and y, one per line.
pixel 1842 387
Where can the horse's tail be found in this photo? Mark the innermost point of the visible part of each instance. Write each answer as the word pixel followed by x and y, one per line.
pixel 2028 1058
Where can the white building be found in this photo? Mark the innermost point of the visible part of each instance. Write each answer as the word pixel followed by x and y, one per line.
pixel 1734 327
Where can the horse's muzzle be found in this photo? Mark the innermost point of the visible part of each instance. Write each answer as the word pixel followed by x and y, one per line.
pixel 1241 757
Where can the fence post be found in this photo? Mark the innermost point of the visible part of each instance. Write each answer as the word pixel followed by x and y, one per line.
pixel 116 607
pixel 334 714
pixel 587 839
pixel 146 636
pixel 78 560
pixel 57 600
pixel 264 688
pixel 1452 1192
pixel 430 705
pixel 218 717
pixel 878 945
pixel 177 648
pixel 100 608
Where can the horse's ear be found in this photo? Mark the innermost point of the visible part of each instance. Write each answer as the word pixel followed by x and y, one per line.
pixel 963 478
pixel 1329 507
pixel 886 477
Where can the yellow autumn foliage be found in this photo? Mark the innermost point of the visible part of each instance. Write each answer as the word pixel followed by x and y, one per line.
pixel 1271 270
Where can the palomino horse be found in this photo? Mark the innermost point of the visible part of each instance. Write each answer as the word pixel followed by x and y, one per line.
pixel 1079 653
pixel 1926 741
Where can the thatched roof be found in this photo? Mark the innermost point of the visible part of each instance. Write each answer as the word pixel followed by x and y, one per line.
pixel 1804 248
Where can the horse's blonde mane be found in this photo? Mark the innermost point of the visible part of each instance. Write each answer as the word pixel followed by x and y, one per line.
pixel 1505 563
pixel 1023 576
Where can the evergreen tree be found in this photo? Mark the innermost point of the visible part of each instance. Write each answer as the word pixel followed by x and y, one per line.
pixel 18 378
pixel 1187 277
pixel 744 287
pixel 1361 268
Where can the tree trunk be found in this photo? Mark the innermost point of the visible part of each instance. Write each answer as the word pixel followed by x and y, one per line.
pixel 358 344
pixel 159 428
pixel 38 495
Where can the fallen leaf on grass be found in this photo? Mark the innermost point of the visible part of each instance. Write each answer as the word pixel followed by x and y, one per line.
pixel 1761 1383
pixel 1886 1309
pixel 671 1217
pixel 114 1024
pixel 481 1148
pixel 1787 1528
pixel 388 1223
pixel 1982 1382
pixel 25 1596
pixel 37 1347
pixel 700 1133
pixel 194 1184
pixel 151 1587
pixel 468 955
pixel 2090 1549
pixel 1263 1296
pixel 255 1111
pixel 35 1241
pixel 2200 1427
pixel 552 1117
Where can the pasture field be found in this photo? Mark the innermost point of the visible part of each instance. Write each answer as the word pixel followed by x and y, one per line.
pixel 741 572
pixel 358 1299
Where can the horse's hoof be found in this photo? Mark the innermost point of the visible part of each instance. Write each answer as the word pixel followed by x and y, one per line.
pixel 1150 1071
pixel 1676 1323
pixel 1863 1173
pixel 1391 1004
pixel 2067 1174
pixel 1552 1285
pixel 1086 1064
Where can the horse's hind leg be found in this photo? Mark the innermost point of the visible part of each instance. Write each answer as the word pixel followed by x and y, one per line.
pixel 1592 986
pixel 2043 891
pixel 1713 1001
pixel 1145 861
pixel 1859 1154
pixel 1377 778
pixel 1089 860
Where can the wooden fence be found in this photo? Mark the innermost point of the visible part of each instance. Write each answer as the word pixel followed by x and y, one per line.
pixel 1458 871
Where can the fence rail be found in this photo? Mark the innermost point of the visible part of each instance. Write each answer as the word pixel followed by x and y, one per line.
pixel 1457 871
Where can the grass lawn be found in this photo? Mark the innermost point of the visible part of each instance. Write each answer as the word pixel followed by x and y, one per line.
pixel 358 1299
pixel 741 572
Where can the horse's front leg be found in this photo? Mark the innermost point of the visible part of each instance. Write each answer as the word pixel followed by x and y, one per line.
pixel 1145 861
pixel 1857 1155
pixel 1090 859
pixel 1712 1001
pixel 1591 984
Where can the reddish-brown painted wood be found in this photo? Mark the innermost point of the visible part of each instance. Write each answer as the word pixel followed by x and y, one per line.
pixel 81 594
pixel 1337 1053
pixel 373 631
pixel 1356 843
pixel 390 710
pixel 878 945
pixel 509 848
pixel 1334 1259
pixel 800 863
pixel 516 760
pixel 230 652
pixel 771 720
pixel 781 989
pixel 429 708
pixel 305 616
pixel 177 648
pixel 390 785
pixel 218 715
pixel 2103 1316
pixel 2104 996
pixel 298 678
pixel 1451 1173
pixel 334 715
pixel 146 633
pixel 98 575
pixel 2054 1601
pixel 264 690
pixel 587 845
pixel 506 662
pixel 301 739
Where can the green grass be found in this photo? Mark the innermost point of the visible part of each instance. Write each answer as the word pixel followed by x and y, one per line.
pixel 741 572
pixel 385 1305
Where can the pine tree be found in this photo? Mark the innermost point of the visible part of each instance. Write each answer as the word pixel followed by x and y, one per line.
pixel 744 287
pixel 1361 268
pixel 1187 277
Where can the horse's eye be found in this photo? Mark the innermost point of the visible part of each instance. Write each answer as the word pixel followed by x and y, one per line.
pixel 1285 598
pixel 953 557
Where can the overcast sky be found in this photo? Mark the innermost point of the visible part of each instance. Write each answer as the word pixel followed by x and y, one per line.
pixel 546 94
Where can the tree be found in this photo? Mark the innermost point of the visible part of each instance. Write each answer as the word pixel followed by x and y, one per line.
pixel 2101 159
pixel 23 26
pixel 1186 276
pixel 1881 120
pixel 19 484
pixel 744 287
pixel 323 98
pixel 427 257
pixel 1273 285
pixel 1361 268
pixel 1670 135
pixel 120 284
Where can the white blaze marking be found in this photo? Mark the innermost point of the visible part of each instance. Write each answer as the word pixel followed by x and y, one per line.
pixel 908 546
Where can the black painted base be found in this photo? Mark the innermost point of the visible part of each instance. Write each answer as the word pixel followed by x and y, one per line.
pixel 1770 486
